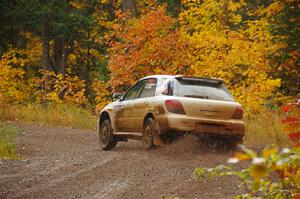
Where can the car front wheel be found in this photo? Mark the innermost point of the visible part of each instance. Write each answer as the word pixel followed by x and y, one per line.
pixel 106 138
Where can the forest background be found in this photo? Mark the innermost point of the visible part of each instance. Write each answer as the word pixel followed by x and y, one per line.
pixel 62 60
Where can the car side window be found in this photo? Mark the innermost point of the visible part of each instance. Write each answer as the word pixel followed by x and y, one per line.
pixel 135 91
pixel 149 88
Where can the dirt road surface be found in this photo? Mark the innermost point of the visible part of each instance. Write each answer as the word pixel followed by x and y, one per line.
pixel 68 163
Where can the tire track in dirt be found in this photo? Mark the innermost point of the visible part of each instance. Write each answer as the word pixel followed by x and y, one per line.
pixel 67 163
pixel 59 181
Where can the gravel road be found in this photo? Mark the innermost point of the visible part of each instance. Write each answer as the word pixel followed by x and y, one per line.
pixel 68 163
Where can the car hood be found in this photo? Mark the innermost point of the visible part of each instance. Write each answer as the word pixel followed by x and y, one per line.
pixel 110 105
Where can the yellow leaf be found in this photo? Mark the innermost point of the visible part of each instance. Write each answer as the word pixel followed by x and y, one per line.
pixel 268 152
pixel 242 156
pixel 258 171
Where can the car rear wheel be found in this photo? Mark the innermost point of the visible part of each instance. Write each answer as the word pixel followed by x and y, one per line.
pixel 149 132
pixel 106 138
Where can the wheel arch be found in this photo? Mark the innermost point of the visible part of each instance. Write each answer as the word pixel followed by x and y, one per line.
pixel 104 116
pixel 148 115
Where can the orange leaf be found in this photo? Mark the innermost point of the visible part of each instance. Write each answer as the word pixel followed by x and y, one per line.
pixel 242 156
pixel 296 196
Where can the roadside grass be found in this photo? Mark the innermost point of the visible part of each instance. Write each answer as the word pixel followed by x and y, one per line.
pixel 261 129
pixel 7 147
pixel 66 115
pixel 266 129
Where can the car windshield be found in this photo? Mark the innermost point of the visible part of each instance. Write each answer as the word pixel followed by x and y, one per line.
pixel 201 89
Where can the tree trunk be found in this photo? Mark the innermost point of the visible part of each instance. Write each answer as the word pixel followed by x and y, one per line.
pixel 64 60
pixel 88 64
pixel 58 53
pixel 129 5
pixel 45 46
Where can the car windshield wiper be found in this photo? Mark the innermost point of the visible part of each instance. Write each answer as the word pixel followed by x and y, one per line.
pixel 197 96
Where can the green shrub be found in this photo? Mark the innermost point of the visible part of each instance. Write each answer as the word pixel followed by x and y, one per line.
pixel 7 147
pixel 274 173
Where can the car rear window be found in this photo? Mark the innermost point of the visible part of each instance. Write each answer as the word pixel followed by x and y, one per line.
pixel 201 89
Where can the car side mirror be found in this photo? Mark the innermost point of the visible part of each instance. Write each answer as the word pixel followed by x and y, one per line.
pixel 117 96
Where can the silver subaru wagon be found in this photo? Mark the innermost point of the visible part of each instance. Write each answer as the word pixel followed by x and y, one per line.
pixel 161 104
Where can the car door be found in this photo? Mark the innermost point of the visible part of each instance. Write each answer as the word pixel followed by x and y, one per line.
pixel 142 105
pixel 123 119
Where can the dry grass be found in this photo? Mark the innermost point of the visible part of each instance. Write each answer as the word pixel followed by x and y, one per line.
pixel 266 129
pixel 53 115
pixel 261 129
pixel 7 147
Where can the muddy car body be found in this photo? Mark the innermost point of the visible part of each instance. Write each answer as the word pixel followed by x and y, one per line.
pixel 161 104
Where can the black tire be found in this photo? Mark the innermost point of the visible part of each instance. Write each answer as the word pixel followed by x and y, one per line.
pixel 106 138
pixel 149 132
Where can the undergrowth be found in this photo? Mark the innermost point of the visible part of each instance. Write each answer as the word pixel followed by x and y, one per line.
pixel 265 129
pixel 261 129
pixel 66 115
pixel 7 147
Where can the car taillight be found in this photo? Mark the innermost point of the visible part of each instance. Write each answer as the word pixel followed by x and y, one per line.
pixel 238 113
pixel 174 106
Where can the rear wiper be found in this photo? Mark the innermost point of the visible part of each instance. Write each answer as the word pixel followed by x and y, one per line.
pixel 197 96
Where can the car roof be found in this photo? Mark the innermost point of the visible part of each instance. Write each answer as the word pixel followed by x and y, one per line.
pixel 181 77
pixel 158 76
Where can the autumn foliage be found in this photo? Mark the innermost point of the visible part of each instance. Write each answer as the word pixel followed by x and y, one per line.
pixel 102 94
pixel 14 87
pixel 291 121
pixel 225 46
pixel 145 46
pixel 103 48
pixel 51 87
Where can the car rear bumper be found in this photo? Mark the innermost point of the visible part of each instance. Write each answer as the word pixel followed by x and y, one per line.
pixel 198 125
